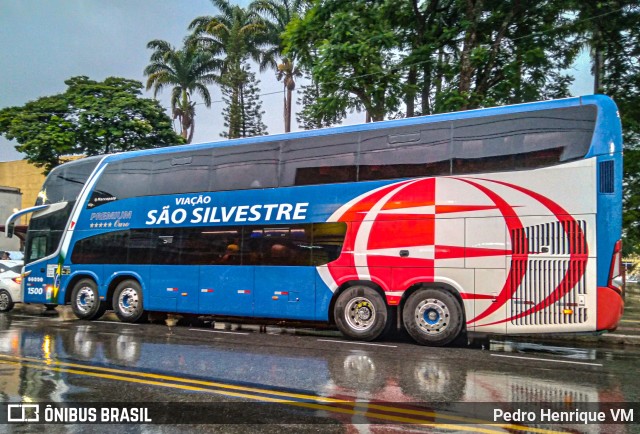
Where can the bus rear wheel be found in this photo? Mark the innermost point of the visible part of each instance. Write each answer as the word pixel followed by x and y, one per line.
pixel 432 317
pixel 361 313
pixel 127 301
pixel 85 300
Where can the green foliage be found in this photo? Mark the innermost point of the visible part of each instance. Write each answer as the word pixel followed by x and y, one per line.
pixel 89 118
pixel 349 47
pixel 311 116
pixel 234 35
pixel 443 55
pixel 610 29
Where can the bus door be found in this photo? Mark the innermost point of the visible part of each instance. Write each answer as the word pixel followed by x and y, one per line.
pixel 225 282
pixel 226 289
pixel 174 281
pixel 285 279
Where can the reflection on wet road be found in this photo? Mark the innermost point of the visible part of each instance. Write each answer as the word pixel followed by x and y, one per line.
pixel 51 359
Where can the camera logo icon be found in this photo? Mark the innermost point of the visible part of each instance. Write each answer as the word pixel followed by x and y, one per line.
pixel 23 413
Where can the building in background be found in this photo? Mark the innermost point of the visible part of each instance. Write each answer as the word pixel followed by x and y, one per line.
pixel 10 202
pixel 23 176
pixel 20 183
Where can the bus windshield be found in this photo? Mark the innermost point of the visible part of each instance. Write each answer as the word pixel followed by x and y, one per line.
pixel 61 190
pixel 64 183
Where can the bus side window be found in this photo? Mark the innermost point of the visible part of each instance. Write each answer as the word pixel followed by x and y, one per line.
pixel 405 152
pixel 328 239
pixel 242 168
pixel 38 248
pixel 186 172
pixel 319 160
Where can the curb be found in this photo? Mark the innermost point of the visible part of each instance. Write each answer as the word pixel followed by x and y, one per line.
pixel 603 339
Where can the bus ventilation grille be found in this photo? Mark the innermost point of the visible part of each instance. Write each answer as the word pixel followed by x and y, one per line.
pixel 541 391
pixel 552 258
pixel 549 290
pixel 550 239
pixel 606 177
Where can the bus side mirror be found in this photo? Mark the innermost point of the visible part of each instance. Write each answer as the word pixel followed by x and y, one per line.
pixel 10 225
pixel 9 230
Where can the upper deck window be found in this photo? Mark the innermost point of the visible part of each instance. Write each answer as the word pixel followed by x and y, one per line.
pixel 505 142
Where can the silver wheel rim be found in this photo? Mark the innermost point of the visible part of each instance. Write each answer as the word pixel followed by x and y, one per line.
pixel 85 300
pixel 4 301
pixel 128 302
pixel 432 316
pixel 360 313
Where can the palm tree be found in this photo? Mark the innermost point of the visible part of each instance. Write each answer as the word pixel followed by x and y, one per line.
pixel 236 35
pixel 277 14
pixel 189 71
pixel 287 72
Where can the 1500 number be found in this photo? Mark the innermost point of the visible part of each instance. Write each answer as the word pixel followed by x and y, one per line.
pixel 34 291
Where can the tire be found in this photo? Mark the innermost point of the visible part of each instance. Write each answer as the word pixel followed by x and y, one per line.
pixel 85 300
pixel 361 313
pixel 127 301
pixel 6 302
pixel 432 317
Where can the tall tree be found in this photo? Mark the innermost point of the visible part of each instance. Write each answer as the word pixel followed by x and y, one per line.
pixel 242 117
pixel 489 52
pixel 277 14
pixel 89 118
pixel 350 48
pixel 611 31
pixel 437 55
pixel 187 71
pixel 235 35
pixel 425 30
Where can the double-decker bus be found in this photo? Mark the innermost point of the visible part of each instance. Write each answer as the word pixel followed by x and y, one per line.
pixel 499 221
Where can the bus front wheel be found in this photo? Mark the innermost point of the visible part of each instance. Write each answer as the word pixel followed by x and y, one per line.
pixel 127 301
pixel 85 300
pixel 361 313
pixel 432 317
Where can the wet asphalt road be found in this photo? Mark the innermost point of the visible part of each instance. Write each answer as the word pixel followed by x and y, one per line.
pixel 229 372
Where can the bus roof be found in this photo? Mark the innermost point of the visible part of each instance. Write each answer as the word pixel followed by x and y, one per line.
pixel 607 110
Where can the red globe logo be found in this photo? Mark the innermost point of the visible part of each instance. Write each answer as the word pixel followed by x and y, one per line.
pixel 427 230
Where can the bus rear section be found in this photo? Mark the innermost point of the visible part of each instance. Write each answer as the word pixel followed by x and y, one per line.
pixel 516 251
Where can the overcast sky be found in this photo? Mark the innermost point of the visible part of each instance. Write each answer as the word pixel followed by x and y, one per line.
pixel 45 42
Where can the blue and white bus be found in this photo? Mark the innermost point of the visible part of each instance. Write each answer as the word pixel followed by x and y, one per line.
pixel 502 220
